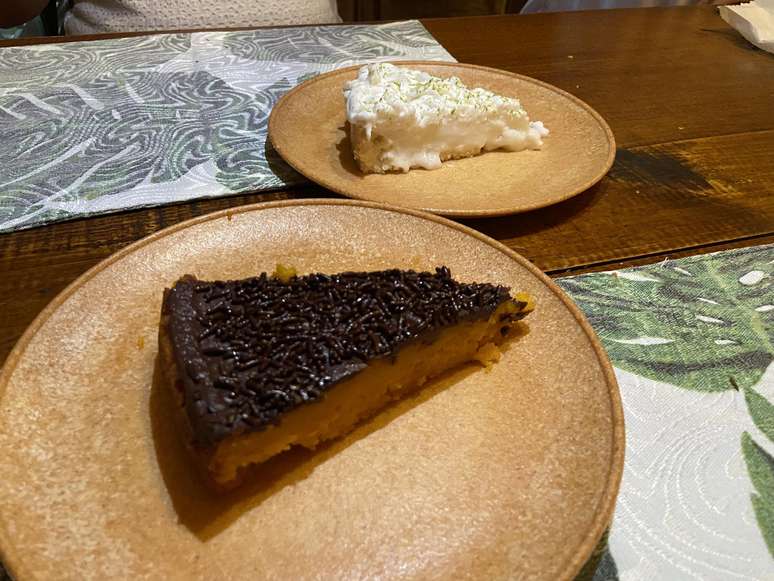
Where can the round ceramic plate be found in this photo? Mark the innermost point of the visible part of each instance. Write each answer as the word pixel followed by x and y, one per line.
pixel 307 128
pixel 507 473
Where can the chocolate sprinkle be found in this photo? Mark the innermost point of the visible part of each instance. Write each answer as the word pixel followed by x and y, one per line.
pixel 251 350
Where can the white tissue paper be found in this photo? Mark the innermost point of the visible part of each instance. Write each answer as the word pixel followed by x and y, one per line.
pixel 754 21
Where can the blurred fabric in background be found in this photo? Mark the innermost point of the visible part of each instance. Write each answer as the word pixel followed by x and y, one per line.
pixel 50 22
pixel 354 10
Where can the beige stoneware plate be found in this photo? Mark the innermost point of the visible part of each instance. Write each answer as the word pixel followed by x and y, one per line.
pixel 510 473
pixel 307 128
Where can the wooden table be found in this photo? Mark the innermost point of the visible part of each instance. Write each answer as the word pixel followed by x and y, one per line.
pixel 691 105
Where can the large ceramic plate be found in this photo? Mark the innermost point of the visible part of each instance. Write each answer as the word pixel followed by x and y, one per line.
pixel 510 473
pixel 307 128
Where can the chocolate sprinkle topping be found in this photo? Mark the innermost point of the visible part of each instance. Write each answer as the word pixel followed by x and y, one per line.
pixel 251 350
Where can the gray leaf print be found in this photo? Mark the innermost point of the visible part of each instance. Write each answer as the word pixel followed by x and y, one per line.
pixel 96 127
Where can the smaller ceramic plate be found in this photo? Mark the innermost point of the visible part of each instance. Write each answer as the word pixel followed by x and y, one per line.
pixel 307 128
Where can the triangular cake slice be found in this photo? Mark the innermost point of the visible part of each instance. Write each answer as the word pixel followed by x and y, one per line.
pixel 266 363
pixel 400 118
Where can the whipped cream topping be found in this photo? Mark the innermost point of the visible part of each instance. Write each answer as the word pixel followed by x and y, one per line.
pixel 419 120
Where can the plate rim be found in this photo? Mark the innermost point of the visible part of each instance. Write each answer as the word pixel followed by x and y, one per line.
pixel 604 514
pixel 282 102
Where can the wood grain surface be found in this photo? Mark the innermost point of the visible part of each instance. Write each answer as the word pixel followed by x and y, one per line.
pixel 689 102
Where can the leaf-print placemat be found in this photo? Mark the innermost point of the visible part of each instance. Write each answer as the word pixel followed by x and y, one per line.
pixel 692 343
pixel 102 126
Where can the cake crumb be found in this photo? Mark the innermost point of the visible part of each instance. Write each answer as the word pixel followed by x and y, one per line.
pixel 284 273
pixel 141 343
pixel 488 355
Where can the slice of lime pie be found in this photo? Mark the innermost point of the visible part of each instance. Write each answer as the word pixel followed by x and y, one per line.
pixel 401 118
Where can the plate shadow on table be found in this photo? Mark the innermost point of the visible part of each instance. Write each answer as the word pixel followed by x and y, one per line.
pixel 511 225
pixel 668 176
pixel 206 513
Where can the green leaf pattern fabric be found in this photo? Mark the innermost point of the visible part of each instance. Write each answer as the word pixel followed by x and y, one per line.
pixel 701 323
pixel 761 467
pixel 692 343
